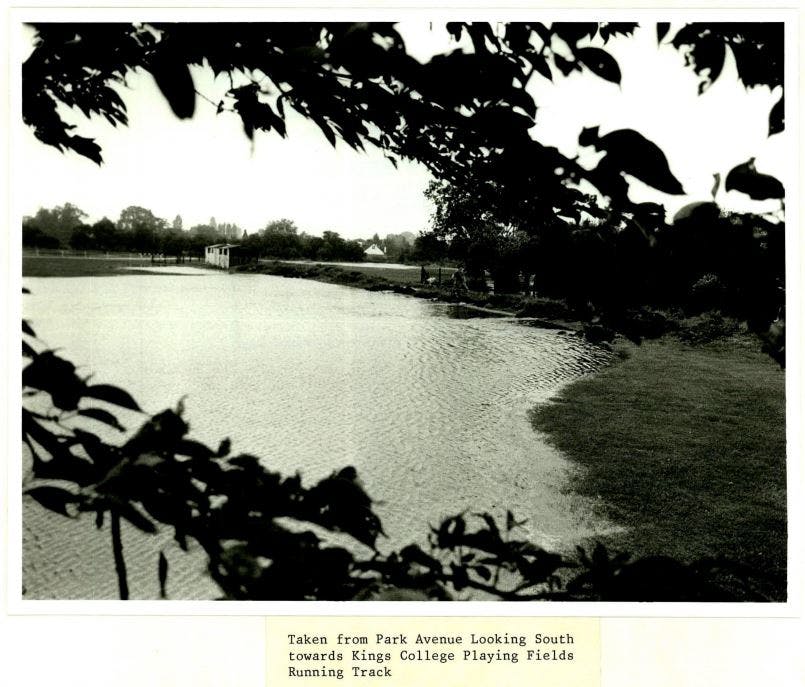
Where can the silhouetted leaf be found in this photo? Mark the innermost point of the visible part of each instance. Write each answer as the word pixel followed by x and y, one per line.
pixel 454 28
pixel 245 461
pixel 27 350
pixel 662 30
pixel 254 113
pixel 630 152
pixel 540 565
pixel 483 572
pixel 181 539
pixel 481 35
pixel 700 207
pixel 490 523
pixel 111 394
pixel 134 516
pixel 102 416
pixel 51 373
pixel 450 532
pixel 777 117
pixel 512 522
pixel 194 449
pixel 102 454
pixel 86 147
pixel 523 100
pixel 705 51
pixel 572 32
pixel 460 578
pixel 326 130
pixel 518 36
pixel 616 28
pixel 583 558
pixel 600 62
pixel 600 557
pixel 26 328
pixel 162 571
pixel 173 78
pixel 55 499
pixel 414 554
pixel 563 65
pixel 340 503
pixel 746 179
pixel 540 64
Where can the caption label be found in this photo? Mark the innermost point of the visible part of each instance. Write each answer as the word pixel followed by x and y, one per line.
pixel 432 651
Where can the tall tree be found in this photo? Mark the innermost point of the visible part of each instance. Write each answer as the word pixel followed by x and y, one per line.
pixel 143 228
pixel 281 226
pixel 58 222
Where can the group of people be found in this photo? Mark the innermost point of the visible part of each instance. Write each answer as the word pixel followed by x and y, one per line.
pixel 458 281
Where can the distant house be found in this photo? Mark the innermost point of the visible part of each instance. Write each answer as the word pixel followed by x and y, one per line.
pixel 226 255
pixel 374 252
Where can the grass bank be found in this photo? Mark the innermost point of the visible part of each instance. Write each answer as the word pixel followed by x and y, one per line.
pixel 395 275
pixel 685 446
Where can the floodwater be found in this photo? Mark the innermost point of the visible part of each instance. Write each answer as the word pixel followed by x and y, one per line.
pixel 431 409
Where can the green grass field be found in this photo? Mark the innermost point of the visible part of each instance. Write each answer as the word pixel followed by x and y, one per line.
pixel 685 446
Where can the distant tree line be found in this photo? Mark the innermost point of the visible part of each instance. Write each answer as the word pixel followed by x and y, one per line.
pixel 138 230
pixel 282 239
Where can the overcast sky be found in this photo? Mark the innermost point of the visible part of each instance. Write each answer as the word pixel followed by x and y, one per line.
pixel 206 167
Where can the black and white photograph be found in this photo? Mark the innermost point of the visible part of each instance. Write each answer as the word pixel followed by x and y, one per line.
pixel 403 310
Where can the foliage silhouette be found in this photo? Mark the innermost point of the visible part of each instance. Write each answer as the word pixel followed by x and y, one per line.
pixel 458 112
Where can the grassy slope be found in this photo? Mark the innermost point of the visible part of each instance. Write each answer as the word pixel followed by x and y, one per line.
pixel 686 447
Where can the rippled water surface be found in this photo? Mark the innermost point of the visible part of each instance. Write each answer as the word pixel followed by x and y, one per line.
pixel 432 410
